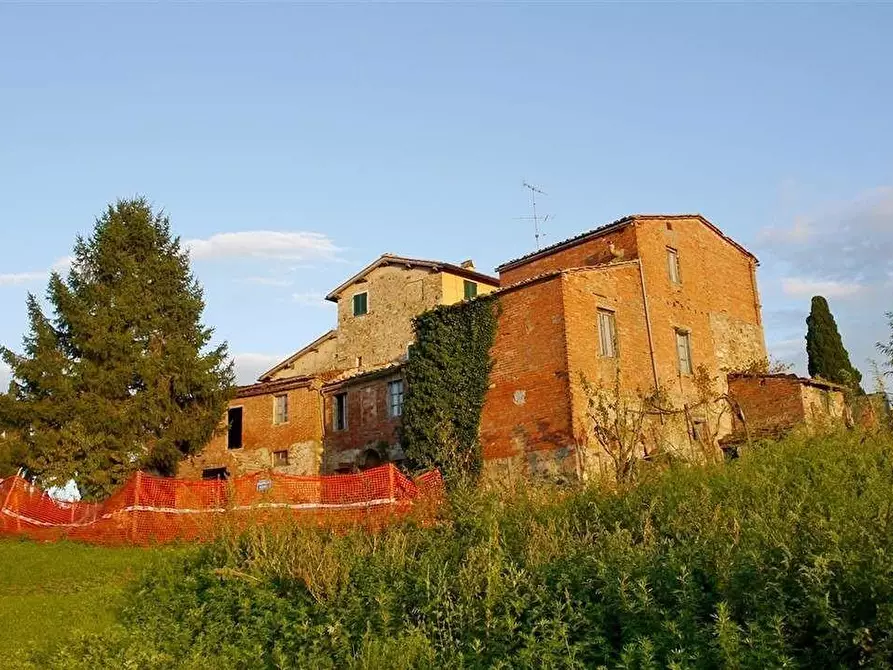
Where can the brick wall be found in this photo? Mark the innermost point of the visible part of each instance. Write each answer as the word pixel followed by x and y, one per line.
pixel 716 300
pixel 716 303
pixel 768 403
pixel 301 436
pixel 526 420
pixel 591 252
pixel 368 422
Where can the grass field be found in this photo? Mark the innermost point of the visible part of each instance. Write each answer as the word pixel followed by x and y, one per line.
pixel 51 591
pixel 782 558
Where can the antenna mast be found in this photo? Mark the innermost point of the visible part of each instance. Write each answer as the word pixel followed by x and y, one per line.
pixel 536 219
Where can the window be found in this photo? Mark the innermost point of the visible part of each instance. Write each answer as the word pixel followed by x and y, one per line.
pixel 471 289
pixel 339 412
pixel 358 362
pixel 395 398
pixel 234 428
pixel 215 473
pixel 673 266
pixel 607 334
pixel 361 303
pixel 280 409
pixel 699 430
pixel 280 458
pixel 683 351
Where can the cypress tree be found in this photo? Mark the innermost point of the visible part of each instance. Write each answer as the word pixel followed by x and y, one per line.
pixel 827 356
pixel 122 378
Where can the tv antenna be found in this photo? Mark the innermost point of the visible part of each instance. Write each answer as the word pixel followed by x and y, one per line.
pixel 538 219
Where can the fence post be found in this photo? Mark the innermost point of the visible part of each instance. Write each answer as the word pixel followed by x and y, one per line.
pixel 138 483
pixel 15 481
pixel 391 493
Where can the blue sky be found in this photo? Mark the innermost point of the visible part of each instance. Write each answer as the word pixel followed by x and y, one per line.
pixel 297 143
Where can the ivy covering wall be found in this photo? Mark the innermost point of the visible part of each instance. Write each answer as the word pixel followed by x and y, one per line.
pixel 447 377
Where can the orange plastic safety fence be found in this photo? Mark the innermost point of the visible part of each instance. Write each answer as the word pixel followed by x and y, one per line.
pixel 151 509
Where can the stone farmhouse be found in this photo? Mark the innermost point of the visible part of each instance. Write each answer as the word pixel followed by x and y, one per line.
pixel 651 298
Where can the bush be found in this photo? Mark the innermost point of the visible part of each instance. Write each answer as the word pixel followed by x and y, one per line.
pixel 782 558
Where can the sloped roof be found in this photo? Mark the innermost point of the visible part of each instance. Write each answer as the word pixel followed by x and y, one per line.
pixel 288 361
pixel 364 373
pixel 818 382
pixel 263 388
pixel 609 227
pixel 437 266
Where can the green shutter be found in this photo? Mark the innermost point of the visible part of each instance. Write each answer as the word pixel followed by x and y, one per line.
pixel 471 289
pixel 360 304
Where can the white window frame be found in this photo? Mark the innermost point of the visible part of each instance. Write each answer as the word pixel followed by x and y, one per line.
pixel 673 270
pixel 273 458
pixel 685 363
pixel 353 304
pixel 607 342
pixel 279 419
pixel 395 411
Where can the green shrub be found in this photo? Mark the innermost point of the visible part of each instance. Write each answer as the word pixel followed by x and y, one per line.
pixel 447 376
pixel 782 558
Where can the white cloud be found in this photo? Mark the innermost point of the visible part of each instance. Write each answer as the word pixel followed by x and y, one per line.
pixel 296 246
pixel 799 287
pixel 250 366
pixel 16 278
pixel 849 242
pixel 310 299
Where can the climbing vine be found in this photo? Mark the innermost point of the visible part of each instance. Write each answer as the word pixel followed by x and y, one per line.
pixel 447 376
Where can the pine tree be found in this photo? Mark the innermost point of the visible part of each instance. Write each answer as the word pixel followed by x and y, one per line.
pixel 827 356
pixel 122 378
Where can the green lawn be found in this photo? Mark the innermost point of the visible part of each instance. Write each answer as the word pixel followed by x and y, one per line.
pixel 49 591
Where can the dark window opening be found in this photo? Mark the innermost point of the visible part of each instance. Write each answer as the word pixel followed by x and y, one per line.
pixel 339 419
pixel 372 459
pixel 234 428
pixel 215 473
pixel 280 458
pixel 471 289
pixel 699 430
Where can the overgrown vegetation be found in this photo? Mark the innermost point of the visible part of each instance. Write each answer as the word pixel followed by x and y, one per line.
pixel 632 429
pixel 447 376
pixel 783 558
pixel 121 376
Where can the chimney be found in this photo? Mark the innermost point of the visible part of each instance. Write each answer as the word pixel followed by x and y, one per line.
pixel 468 265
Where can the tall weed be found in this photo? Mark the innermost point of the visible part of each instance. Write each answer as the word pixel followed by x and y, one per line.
pixel 783 558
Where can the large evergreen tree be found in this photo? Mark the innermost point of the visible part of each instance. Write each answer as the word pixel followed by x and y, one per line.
pixel 122 377
pixel 828 358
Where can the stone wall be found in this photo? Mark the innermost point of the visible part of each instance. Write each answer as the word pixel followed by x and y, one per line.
pixel 316 359
pixel 301 436
pixel 396 294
